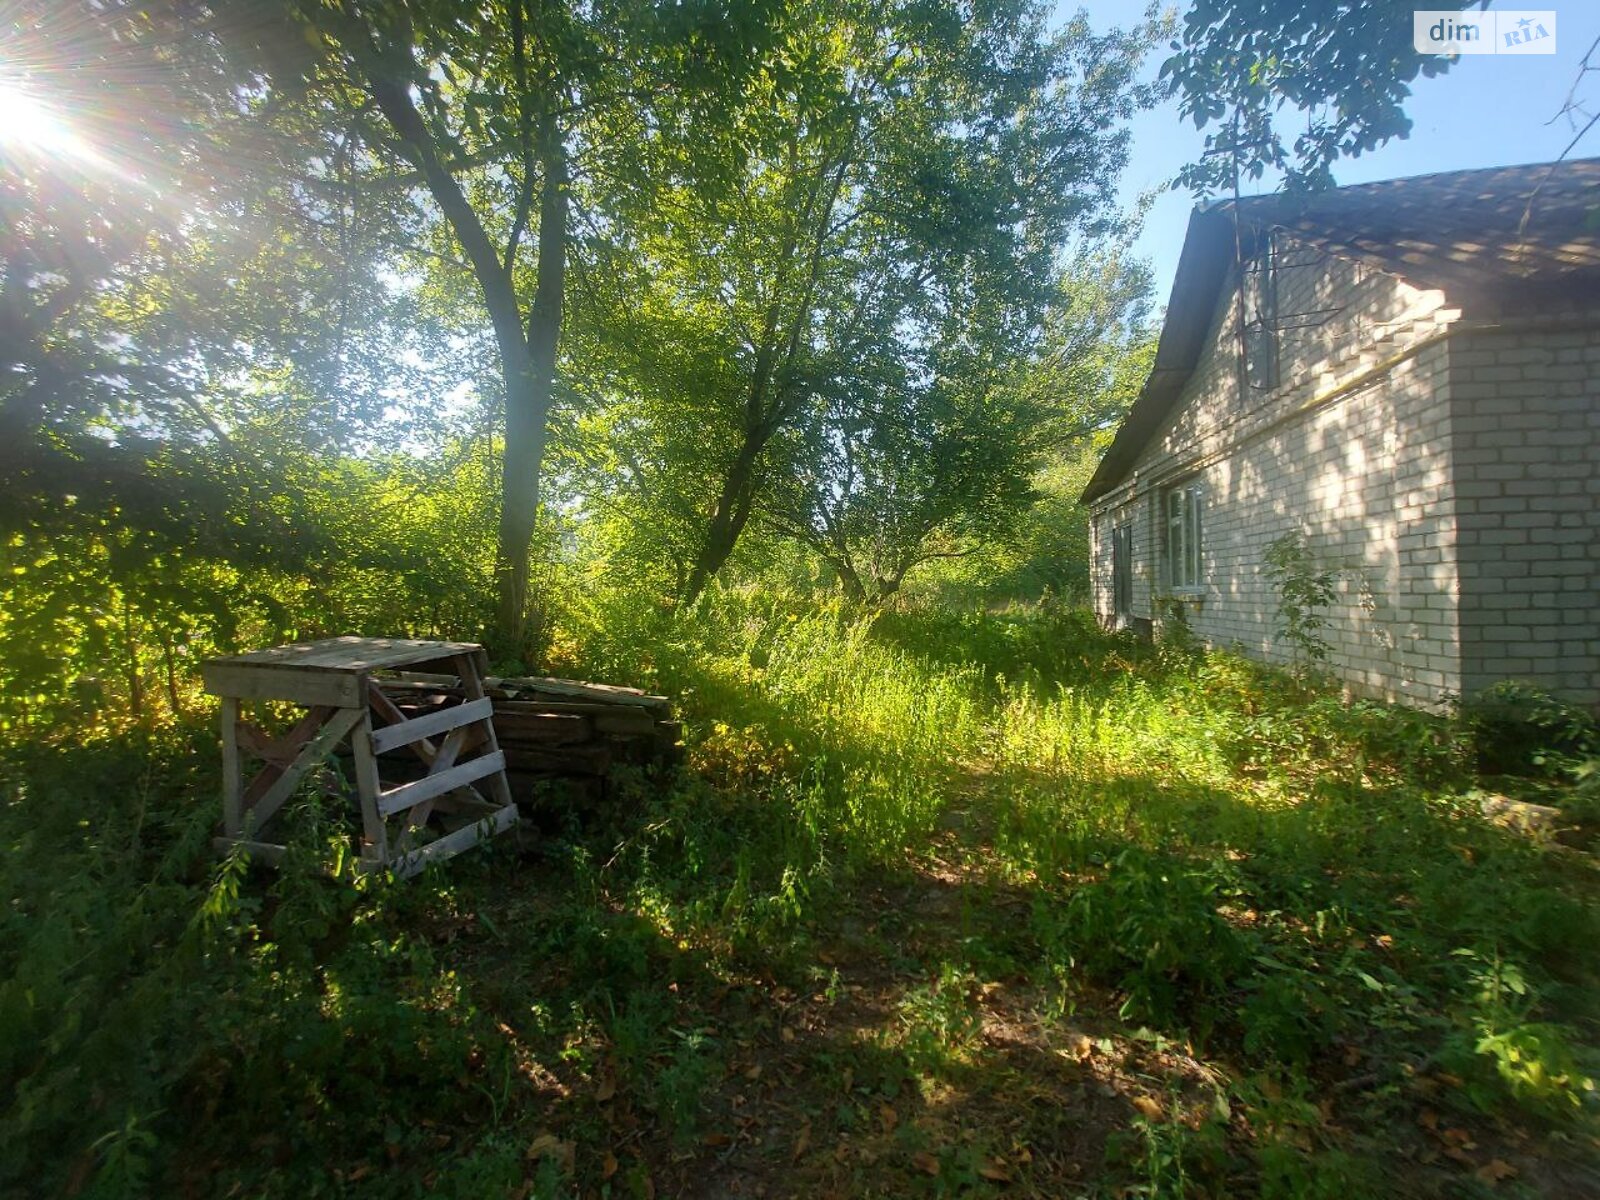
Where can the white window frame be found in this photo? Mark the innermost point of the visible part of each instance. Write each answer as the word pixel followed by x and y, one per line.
pixel 1181 508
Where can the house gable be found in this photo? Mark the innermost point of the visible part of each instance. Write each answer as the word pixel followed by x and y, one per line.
pixel 1495 241
pixel 1348 446
pixel 1430 429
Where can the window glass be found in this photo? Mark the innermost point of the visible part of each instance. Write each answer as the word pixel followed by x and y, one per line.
pixel 1183 538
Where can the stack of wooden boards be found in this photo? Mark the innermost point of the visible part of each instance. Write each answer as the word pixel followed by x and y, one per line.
pixel 555 728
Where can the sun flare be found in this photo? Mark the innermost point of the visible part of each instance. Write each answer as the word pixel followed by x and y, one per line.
pixel 29 124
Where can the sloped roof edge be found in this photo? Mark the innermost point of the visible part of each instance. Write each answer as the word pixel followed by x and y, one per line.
pixel 1202 266
pixel 1516 231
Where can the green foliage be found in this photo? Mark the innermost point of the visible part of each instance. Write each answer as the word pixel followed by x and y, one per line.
pixel 939 1023
pixel 1304 587
pixel 836 275
pixel 110 621
pixel 1151 929
pixel 1238 64
pixel 831 328
pixel 1520 729
pixel 1178 850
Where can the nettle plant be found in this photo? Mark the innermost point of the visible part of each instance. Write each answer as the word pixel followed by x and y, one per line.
pixel 1305 590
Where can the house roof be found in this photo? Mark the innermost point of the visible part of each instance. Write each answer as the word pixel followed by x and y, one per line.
pixel 1485 238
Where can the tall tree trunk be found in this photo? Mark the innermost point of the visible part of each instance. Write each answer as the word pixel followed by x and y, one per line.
pixel 528 408
pixel 519 499
pixel 527 358
pixel 854 590
pixel 170 660
pixel 130 659
pixel 728 518
pixel 764 416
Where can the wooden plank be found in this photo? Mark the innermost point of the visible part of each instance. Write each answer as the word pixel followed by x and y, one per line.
pixel 564 760
pixel 278 750
pixel 304 728
pixel 472 666
pixel 414 730
pixel 452 844
pixel 349 654
pixel 312 753
pixel 594 693
pixel 374 833
pixel 544 728
pixel 232 770
pixel 578 707
pixel 421 679
pixel 268 852
pixel 408 691
pixel 265 682
pixel 387 709
pixel 418 816
pixel 625 721
pixel 409 794
pixel 465 800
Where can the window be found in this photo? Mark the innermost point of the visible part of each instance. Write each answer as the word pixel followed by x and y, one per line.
pixel 1183 538
pixel 1122 571
pixel 1258 309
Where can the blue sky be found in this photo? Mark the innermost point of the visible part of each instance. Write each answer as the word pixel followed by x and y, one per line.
pixel 1486 111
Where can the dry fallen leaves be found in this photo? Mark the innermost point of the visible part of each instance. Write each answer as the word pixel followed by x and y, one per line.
pixel 608 1165
pixel 1149 1106
pixel 548 1145
pixel 925 1162
pixel 1495 1170
pixel 1459 1137
pixel 887 1117
pixel 802 1142
pixel 995 1171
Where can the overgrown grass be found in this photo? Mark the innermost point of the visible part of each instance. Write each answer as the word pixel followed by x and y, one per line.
pixel 945 902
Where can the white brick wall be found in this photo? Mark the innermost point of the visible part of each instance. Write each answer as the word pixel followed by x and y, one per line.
pixel 1389 418
pixel 1526 411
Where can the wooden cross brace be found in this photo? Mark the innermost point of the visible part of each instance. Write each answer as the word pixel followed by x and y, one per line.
pixel 439 739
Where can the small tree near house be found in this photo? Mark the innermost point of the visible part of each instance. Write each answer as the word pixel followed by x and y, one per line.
pixel 1305 590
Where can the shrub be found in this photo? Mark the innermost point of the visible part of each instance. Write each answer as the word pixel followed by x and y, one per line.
pixel 1520 729
pixel 1151 929
pixel 1305 588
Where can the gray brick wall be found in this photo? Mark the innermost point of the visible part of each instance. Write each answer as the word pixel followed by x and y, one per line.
pixel 1446 470
pixel 1526 412
pixel 1352 449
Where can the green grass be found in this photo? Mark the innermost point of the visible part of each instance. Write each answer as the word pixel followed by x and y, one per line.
pixel 943 904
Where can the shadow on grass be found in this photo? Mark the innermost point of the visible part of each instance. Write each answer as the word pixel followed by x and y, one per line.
pixel 772 975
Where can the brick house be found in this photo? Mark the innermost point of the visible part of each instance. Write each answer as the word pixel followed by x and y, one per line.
pixel 1408 373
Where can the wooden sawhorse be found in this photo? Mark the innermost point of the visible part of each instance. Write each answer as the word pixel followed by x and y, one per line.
pixel 332 680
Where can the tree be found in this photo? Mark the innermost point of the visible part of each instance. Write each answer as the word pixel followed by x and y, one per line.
pixel 1072 390
pixel 491 112
pixel 897 167
pixel 1348 64
pixel 924 457
pixel 171 322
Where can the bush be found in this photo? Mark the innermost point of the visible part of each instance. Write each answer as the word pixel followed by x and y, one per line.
pixel 1150 928
pixel 1519 729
